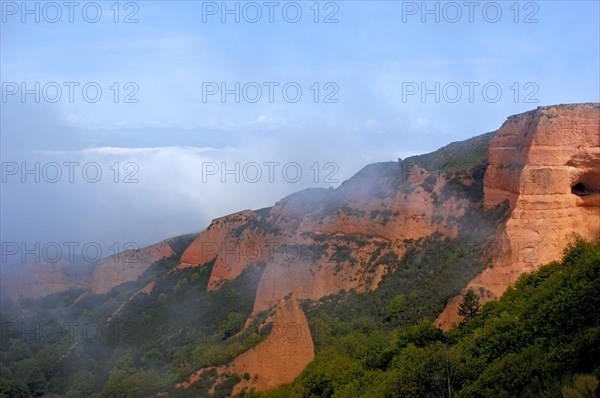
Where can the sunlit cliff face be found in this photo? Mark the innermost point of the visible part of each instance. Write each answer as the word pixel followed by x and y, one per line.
pixel 554 193
pixel 546 164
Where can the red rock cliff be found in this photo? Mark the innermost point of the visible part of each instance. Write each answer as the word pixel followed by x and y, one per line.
pixel 318 242
pixel 126 266
pixel 546 164
pixel 277 360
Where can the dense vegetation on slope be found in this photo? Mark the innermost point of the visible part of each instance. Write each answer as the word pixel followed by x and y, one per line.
pixel 81 345
pixel 541 339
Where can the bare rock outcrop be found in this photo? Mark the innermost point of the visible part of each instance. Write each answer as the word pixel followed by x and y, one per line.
pixel 318 242
pixel 33 280
pixel 37 279
pixel 228 243
pixel 277 360
pixel 546 164
pixel 283 356
pixel 126 266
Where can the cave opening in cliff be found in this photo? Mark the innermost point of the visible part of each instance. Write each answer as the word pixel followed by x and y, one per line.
pixel 581 189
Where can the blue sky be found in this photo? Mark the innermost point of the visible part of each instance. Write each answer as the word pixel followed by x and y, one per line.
pixel 374 50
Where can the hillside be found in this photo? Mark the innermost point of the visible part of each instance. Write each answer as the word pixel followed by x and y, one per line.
pixel 251 300
pixel 540 339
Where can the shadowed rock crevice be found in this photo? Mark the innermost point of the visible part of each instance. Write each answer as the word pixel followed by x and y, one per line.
pixel 581 189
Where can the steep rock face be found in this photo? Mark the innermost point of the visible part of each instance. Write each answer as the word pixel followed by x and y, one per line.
pixel 228 243
pixel 546 164
pixel 341 245
pixel 277 360
pixel 126 266
pixel 283 356
pixel 313 270
pixel 319 241
pixel 38 279
pixel 32 280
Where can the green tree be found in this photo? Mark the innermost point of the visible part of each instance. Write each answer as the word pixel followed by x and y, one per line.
pixel 233 324
pixel 469 308
pixel 214 355
pixel 17 352
pixel 396 305
pixel 119 380
pixel 13 389
pixel 82 385
pixel 162 298
pixel 30 373
pixel 584 386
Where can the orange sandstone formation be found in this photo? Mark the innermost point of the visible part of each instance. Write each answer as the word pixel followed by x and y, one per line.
pixel 277 360
pixel 283 356
pixel 126 266
pixel 546 164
